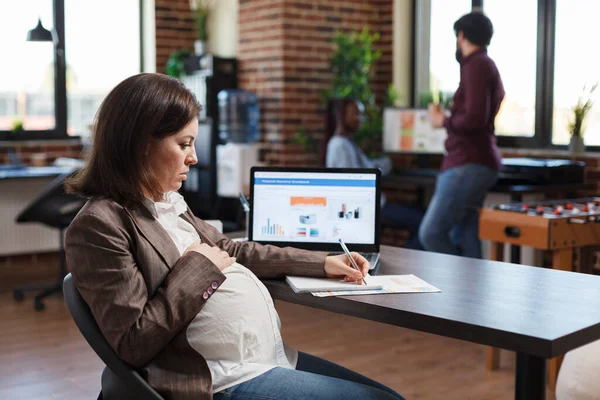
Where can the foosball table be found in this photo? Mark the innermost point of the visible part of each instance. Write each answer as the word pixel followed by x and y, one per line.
pixel 555 226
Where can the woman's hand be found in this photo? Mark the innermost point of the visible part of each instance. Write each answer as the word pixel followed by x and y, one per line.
pixel 340 266
pixel 217 256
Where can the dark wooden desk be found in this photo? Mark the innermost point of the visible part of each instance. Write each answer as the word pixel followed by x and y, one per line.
pixel 427 178
pixel 536 312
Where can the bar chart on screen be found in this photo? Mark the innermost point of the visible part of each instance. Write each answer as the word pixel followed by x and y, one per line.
pixel 272 229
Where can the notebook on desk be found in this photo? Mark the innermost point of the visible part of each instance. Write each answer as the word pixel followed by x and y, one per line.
pixel 311 208
pixel 303 284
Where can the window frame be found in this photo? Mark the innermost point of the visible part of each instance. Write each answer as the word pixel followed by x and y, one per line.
pixel 545 57
pixel 60 80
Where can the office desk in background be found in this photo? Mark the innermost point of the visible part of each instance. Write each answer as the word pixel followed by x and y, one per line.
pixel 537 313
pixel 425 178
pixel 18 188
pixel 34 172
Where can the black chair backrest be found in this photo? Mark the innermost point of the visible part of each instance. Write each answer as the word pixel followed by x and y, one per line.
pixel 91 332
pixel 53 207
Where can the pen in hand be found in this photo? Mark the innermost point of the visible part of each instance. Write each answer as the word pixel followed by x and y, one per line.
pixel 352 262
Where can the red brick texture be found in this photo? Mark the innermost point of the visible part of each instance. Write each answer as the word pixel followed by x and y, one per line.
pixel 25 151
pixel 284 52
pixel 175 29
pixel 284 48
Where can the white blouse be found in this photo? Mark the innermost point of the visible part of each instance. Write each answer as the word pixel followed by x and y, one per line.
pixel 238 331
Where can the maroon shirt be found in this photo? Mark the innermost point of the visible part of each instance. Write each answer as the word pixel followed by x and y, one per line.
pixel 470 127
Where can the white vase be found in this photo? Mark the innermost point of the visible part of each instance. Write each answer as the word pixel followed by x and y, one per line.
pixel 200 47
pixel 576 145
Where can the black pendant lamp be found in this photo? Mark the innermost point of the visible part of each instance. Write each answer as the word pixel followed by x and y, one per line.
pixel 39 34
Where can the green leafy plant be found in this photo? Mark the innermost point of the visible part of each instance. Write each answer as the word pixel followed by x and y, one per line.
pixel 17 126
pixel 309 143
pixel 176 63
pixel 201 10
pixel 580 111
pixel 391 96
pixel 352 64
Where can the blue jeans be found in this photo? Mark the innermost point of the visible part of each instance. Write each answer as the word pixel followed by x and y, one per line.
pixel 404 216
pixel 451 223
pixel 313 378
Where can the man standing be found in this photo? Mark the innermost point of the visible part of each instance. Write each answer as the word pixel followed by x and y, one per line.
pixel 472 161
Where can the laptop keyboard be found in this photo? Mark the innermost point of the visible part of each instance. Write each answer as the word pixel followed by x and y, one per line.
pixel 372 258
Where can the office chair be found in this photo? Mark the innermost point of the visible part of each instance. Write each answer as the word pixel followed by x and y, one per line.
pixel 119 379
pixel 56 209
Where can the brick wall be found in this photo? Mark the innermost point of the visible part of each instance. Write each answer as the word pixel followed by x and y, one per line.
pixel 175 29
pixel 284 48
pixel 261 63
pixel 284 51
pixel 51 149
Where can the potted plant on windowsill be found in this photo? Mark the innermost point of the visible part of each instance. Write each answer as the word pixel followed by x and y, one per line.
pixel 576 124
pixel 17 126
pixel 201 10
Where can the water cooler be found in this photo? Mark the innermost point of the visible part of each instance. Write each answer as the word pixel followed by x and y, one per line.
pixel 238 137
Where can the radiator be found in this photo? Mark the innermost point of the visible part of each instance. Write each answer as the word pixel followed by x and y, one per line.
pixel 24 238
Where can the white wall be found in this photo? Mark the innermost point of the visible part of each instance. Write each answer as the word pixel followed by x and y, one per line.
pixel 223 28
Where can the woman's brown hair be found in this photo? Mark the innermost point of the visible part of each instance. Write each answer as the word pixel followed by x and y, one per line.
pixel 141 108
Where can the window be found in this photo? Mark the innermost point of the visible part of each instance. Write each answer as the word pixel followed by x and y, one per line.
pixel 444 71
pixel 102 49
pixel 576 65
pixel 542 50
pixel 514 52
pixel 27 68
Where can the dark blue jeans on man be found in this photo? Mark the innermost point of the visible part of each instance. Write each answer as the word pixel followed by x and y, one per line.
pixel 451 222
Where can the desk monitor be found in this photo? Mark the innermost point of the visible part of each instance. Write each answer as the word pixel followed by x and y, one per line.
pixel 311 208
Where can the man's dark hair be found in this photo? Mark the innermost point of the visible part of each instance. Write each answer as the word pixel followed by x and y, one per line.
pixel 140 109
pixel 476 27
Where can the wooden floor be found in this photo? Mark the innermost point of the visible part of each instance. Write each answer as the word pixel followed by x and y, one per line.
pixel 43 355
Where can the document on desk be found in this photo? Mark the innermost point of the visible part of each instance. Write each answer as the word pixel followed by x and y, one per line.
pixel 303 284
pixel 389 284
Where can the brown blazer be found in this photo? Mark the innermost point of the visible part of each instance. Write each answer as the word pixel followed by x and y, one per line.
pixel 143 295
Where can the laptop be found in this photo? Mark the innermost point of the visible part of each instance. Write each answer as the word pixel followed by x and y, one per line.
pixel 312 208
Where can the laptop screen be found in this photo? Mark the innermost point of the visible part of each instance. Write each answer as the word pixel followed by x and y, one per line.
pixel 312 208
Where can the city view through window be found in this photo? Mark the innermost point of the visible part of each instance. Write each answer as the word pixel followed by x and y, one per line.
pixel 102 48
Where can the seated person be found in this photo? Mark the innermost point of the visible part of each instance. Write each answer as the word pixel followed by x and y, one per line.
pixel 173 296
pixel 338 151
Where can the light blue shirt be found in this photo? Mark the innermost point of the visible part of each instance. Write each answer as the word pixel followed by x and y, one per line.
pixel 343 153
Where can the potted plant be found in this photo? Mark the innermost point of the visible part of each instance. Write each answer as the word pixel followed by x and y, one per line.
pixel 576 124
pixel 176 63
pixel 17 126
pixel 352 64
pixel 201 10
